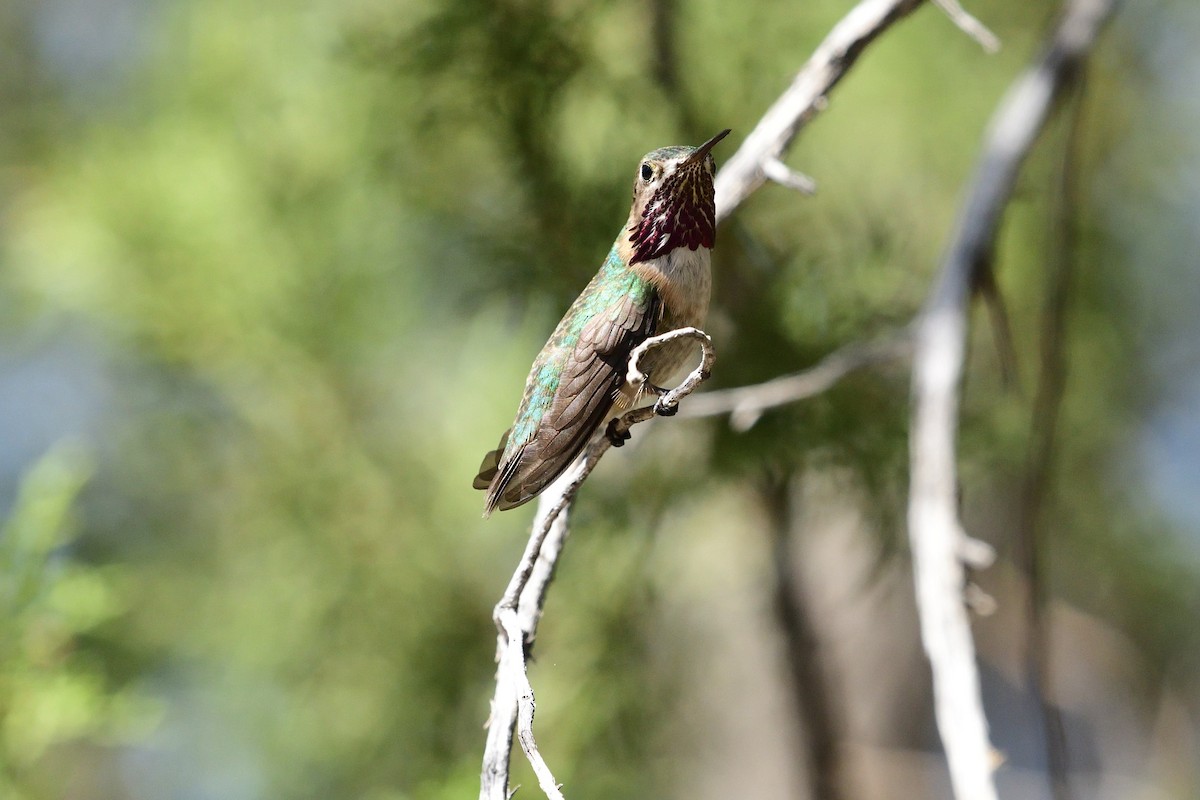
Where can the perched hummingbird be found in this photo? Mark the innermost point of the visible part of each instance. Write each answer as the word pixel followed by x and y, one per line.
pixel 656 278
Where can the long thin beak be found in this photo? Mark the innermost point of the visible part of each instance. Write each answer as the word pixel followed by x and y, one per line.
pixel 700 152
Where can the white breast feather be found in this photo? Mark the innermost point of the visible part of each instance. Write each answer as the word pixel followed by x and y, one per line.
pixel 685 284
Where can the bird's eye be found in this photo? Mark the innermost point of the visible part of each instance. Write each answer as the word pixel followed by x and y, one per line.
pixel 647 172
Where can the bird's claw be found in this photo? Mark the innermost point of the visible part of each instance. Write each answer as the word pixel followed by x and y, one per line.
pixel 617 437
pixel 664 410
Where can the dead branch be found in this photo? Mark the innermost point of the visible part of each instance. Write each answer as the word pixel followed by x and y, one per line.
pixel 746 404
pixel 935 531
pixel 969 25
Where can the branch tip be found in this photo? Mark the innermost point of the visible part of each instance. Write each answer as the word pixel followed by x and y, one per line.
pixel 969 25
pixel 975 553
pixel 778 172
pixel 979 601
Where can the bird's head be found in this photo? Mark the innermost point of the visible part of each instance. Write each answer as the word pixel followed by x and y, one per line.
pixel 673 201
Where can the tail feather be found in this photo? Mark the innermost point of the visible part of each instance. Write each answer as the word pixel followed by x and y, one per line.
pixel 500 493
pixel 490 464
pixel 527 471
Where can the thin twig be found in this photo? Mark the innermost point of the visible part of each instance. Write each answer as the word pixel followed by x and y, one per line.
pixel 746 404
pixel 515 669
pixel 517 616
pixel 519 610
pixel 779 172
pixel 934 528
pixel 969 25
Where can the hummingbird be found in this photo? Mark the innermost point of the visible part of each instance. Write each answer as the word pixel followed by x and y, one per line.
pixel 656 278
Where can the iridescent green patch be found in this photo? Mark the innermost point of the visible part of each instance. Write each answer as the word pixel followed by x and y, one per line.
pixel 610 289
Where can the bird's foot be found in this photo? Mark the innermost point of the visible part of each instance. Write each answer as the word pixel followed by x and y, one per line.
pixel 617 437
pixel 664 410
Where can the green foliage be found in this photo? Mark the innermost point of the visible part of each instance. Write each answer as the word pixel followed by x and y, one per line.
pixel 51 692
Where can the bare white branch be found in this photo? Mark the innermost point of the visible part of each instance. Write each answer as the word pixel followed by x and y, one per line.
pixel 936 535
pixel 517 616
pixel 746 404
pixel 515 669
pixel 969 25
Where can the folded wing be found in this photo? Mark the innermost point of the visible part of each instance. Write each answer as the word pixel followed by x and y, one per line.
pixel 592 375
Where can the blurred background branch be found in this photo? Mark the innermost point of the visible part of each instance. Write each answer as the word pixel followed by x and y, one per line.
pixel 1030 548
pixel 940 345
pixel 745 404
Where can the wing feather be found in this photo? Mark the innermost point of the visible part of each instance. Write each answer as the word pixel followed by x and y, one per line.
pixel 592 377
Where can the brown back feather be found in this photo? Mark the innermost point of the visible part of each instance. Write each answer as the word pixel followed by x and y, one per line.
pixel 591 380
